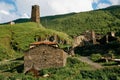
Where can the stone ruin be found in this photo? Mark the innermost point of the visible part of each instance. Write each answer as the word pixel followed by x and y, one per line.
pixel 78 41
pixel 111 34
pixel 109 37
pixel 35 14
pixel 43 56
pixel 51 38
pixel 90 38
pixel 86 38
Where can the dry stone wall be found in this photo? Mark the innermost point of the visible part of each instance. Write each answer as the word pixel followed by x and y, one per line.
pixel 43 57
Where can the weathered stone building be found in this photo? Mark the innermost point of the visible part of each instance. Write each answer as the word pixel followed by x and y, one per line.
pixel 86 38
pixel 89 37
pixel 78 41
pixel 35 14
pixel 109 37
pixel 44 56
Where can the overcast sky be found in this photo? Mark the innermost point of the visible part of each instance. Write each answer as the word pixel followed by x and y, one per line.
pixel 14 9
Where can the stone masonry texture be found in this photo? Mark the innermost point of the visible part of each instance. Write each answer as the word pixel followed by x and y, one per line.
pixel 35 14
pixel 44 56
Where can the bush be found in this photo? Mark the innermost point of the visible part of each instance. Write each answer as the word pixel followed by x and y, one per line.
pixel 2 77
pixel 95 57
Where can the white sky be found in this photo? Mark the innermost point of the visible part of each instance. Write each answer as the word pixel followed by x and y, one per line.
pixel 22 8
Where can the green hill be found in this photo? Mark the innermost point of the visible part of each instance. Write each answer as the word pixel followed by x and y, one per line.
pixel 16 38
pixel 101 21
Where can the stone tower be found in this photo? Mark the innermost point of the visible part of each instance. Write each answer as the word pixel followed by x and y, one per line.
pixel 35 14
pixel 93 37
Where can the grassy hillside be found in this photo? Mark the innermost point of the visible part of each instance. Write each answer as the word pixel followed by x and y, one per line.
pixel 101 21
pixel 16 38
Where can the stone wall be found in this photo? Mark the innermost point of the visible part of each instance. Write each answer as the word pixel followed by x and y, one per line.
pixel 78 41
pixel 90 36
pixel 51 38
pixel 87 38
pixel 43 57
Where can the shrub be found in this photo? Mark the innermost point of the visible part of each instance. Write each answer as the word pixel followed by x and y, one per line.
pixel 95 57
pixel 2 77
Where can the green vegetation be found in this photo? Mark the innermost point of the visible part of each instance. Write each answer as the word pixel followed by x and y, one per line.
pixel 16 38
pixel 95 57
pixel 72 71
pixel 112 48
pixel 101 21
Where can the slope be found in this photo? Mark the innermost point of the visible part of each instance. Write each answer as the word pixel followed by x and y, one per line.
pixel 16 38
pixel 101 21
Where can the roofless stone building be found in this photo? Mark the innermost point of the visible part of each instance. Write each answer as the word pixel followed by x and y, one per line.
pixel 44 55
pixel 35 14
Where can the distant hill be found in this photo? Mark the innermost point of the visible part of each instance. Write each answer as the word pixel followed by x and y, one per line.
pixel 102 21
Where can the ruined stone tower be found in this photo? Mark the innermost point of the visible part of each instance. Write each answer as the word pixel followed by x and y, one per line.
pixel 35 14
pixel 93 37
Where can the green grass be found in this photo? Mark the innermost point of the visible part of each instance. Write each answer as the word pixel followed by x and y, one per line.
pixel 16 38
pixel 74 70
